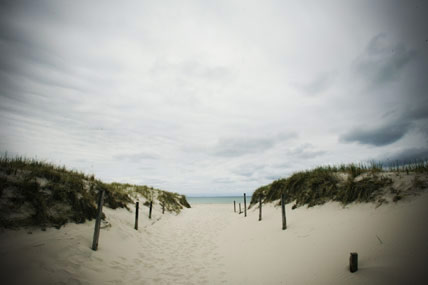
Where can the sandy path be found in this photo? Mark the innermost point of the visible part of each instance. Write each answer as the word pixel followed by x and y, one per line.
pixel 187 246
pixel 209 244
pixel 168 249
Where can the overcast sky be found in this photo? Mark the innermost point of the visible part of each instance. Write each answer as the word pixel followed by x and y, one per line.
pixel 213 97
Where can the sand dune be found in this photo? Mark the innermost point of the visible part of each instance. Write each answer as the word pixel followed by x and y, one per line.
pixel 210 244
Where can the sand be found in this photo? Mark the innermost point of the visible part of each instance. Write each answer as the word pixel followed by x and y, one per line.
pixel 210 244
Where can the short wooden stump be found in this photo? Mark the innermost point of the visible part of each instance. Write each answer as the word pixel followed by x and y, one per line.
pixel 353 262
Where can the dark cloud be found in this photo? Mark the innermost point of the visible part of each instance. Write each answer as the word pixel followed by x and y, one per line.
pixel 28 52
pixel 407 155
pixel 383 62
pixel 380 136
pixel 395 67
pixel 419 112
pixel 396 125
pixel 21 48
pixel 418 115
pixel 234 147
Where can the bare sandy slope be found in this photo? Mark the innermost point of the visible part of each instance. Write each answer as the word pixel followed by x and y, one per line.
pixel 210 244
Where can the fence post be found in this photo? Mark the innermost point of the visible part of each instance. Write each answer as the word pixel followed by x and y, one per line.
pixel 240 208
pixel 234 206
pixel 260 208
pixel 245 205
pixel 353 262
pixel 136 215
pixel 163 208
pixel 284 220
pixel 98 221
pixel 150 210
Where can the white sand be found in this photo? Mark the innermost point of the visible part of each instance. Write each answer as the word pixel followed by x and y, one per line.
pixel 209 244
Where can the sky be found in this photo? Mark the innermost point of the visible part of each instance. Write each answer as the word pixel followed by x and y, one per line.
pixel 213 97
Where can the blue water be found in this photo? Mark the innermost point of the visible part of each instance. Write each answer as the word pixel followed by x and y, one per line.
pixel 218 200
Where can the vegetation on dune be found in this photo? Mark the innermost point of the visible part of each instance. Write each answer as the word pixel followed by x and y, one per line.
pixel 172 201
pixel 344 183
pixel 42 194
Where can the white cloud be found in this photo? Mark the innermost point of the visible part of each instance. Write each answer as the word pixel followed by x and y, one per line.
pixel 201 97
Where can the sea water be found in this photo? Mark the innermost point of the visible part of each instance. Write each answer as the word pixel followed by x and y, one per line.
pixel 218 200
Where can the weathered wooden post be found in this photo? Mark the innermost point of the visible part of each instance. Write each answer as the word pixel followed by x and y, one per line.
pixel 150 210
pixel 245 205
pixel 353 262
pixel 240 208
pixel 284 220
pixel 234 206
pixel 163 209
pixel 136 215
pixel 98 220
pixel 260 208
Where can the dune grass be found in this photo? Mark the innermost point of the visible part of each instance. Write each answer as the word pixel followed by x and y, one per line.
pixel 41 194
pixel 343 183
pixel 172 202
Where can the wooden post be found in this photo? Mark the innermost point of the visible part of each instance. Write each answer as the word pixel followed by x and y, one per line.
pixel 234 206
pixel 240 208
pixel 353 262
pixel 150 210
pixel 260 208
pixel 98 221
pixel 245 205
pixel 136 215
pixel 163 209
pixel 284 220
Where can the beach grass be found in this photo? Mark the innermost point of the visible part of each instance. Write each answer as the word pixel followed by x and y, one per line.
pixel 39 193
pixel 343 183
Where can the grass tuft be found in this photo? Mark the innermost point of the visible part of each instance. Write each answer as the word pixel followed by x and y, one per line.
pixel 343 183
pixel 41 194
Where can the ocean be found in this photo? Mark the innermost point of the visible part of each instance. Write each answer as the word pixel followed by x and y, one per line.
pixel 218 200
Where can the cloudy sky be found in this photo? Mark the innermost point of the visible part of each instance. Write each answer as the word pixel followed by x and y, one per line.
pixel 213 97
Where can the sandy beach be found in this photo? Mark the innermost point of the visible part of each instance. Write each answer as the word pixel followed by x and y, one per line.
pixel 188 105
pixel 210 244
